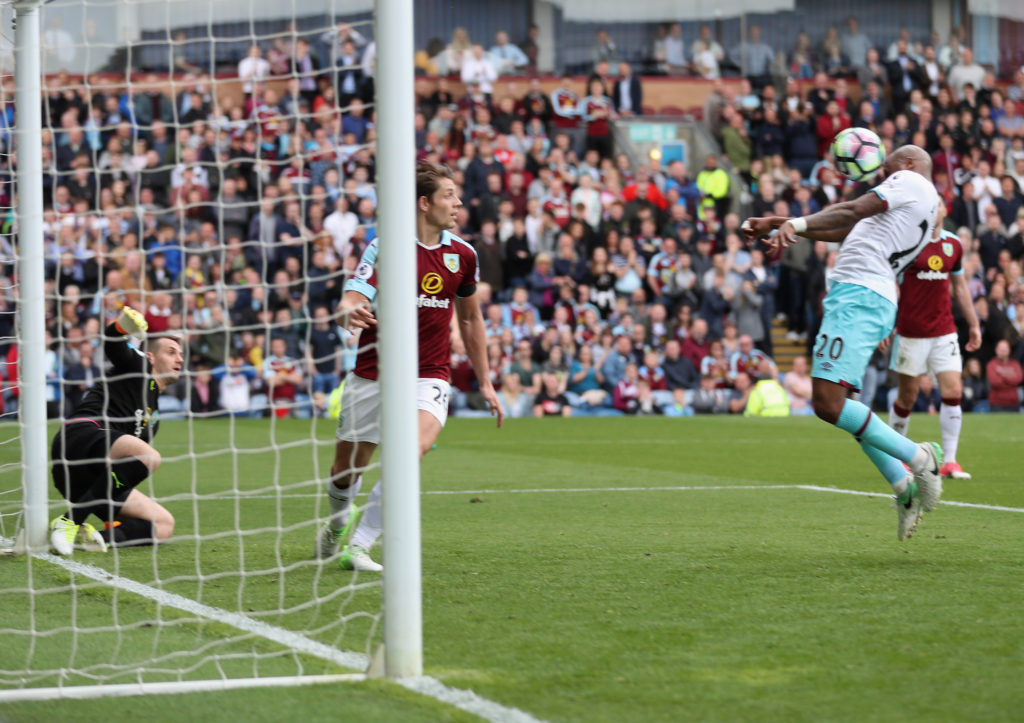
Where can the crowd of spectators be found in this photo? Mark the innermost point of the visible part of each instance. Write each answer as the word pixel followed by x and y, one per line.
pixel 608 286
pixel 915 92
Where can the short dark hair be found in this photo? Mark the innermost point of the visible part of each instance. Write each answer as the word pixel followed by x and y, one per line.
pixel 154 342
pixel 429 177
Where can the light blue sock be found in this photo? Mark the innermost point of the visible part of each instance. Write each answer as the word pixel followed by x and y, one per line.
pixel 890 467
pixel 867 427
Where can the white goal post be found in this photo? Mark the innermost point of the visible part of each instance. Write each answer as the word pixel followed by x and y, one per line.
pixel 119 624
pixel 32 303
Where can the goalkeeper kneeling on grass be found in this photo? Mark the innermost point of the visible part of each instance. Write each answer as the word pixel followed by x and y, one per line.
pixel 103 451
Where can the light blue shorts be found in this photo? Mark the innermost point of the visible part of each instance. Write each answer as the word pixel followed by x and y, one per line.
pixel 856 321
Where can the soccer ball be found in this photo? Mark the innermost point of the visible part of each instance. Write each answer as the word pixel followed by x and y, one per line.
pixel 858 153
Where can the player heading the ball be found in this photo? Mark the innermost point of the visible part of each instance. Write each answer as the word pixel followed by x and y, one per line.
pixel 882 233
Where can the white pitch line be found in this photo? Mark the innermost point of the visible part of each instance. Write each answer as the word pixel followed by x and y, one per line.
pixel 227 496
pixel 466 700
pixel 675 488
pixel 459 698
pixel 950 503
pixel 667 488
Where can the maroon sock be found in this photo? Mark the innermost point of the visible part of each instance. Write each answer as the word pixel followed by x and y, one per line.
pixel 900 411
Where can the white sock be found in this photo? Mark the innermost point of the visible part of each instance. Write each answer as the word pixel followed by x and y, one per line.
pixel 901 486
pixel 950 420
pixel 341 502
pixel 899 423
pixel 370 526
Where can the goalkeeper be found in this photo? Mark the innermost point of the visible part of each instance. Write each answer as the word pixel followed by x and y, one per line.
pixel 103 451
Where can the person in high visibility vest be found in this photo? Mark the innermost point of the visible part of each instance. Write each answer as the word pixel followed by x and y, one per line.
pixel 713 183
pixel 767 398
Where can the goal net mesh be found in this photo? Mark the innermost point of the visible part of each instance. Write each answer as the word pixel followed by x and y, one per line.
pixel 210 165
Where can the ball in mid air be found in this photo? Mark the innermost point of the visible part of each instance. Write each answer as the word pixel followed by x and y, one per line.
pixel 858 153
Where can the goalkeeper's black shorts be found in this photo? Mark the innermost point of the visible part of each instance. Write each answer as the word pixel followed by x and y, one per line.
pixel 79 454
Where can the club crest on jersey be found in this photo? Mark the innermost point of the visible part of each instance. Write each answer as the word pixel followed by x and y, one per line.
pixel 947 248
pixel 935 263
pixel 451 262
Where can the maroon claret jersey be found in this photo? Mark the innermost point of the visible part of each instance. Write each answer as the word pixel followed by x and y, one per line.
pixel 566 106
pixel 444 272
pixel 926 310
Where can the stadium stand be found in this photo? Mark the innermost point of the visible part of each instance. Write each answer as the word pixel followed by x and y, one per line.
pixel 234 217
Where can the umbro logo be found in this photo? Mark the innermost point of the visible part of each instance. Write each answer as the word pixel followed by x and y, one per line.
pixel 827 366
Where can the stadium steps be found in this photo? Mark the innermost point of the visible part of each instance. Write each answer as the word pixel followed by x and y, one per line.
pixel 784 350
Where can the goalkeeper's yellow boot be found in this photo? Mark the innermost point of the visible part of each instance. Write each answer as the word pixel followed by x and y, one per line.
pixel 63 533
pixel 89 539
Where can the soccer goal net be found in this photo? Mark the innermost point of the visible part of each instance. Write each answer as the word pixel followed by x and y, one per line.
pixel 213 166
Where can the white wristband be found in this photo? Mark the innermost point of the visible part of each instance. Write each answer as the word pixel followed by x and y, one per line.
pixel 799 224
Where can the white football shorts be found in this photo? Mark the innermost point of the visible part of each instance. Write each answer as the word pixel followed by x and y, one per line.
pixel 360 407
pixel 915 357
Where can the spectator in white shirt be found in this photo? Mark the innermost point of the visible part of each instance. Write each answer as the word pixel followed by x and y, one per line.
pixel 188 161
pixel 456 52
pixel 252 68
pixel 705 63
pixel 964 72
pixel 587 195
pixel 341 224
pixel 950 53
pixel 370 60
pixel 986 187
pixel 705 41
pixel 477 69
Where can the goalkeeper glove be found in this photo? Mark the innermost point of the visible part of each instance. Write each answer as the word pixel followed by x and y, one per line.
pixel 131 322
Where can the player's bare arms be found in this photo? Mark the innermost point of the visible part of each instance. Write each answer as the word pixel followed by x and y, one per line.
pixel 474 336
pixel 829 224
pixel 355 311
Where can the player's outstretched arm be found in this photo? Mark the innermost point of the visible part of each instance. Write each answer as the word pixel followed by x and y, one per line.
pixel 474 336
pixel 355 311
pixel 116 342
pixel 826 224
pixel 759 227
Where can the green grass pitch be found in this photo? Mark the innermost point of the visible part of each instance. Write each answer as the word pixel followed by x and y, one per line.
pixel 582 570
